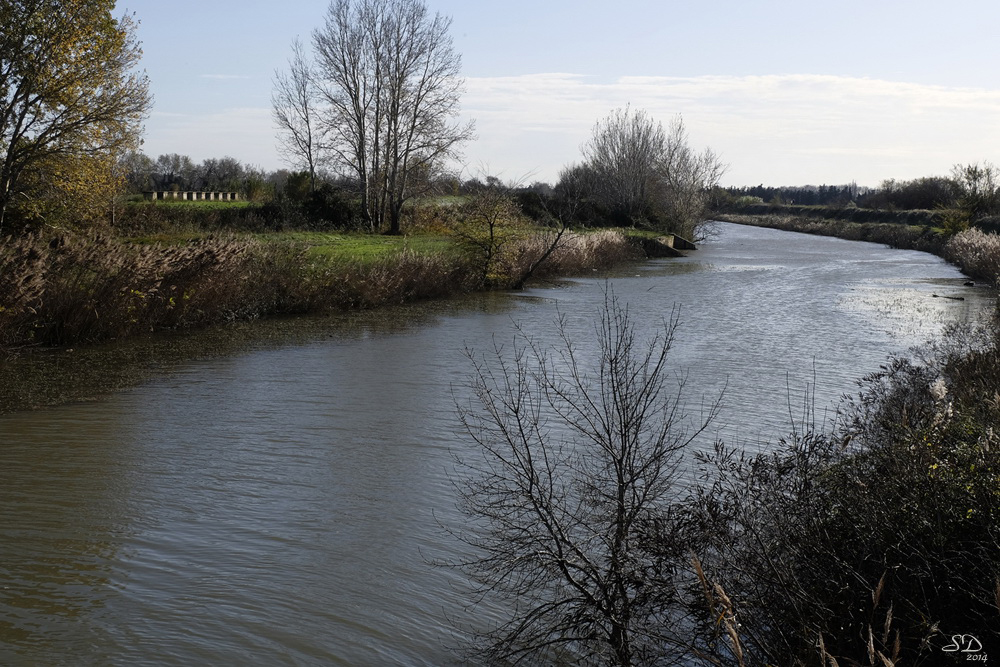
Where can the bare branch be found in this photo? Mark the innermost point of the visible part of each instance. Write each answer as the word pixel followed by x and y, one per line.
pixel 579 460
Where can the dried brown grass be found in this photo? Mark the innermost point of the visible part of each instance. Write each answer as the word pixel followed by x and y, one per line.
pixel 93 288
pixel 575 253
pixel 977 253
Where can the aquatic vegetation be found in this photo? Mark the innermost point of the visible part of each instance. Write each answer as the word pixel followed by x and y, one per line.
pixel 977 253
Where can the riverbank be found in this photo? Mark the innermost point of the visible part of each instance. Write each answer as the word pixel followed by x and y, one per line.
pixel 311 459
pixel 903 236
pixel 87 288
pixel 975 252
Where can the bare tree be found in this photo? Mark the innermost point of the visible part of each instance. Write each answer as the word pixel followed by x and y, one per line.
pixel 623 153
pixel 579 468
pixel 295 107
pixel 641 173
pixel 685 180
pixel 391 82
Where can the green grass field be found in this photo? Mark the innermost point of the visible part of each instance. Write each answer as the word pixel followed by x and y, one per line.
pixel 332 247
pixel 338 246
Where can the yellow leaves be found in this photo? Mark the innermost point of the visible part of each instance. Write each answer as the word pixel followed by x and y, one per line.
pixel 73 74
pixel 72 189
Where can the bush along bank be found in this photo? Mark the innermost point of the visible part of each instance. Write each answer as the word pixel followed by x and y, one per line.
pixel 874 541
pixel 90 288
pixel 903 236
pixel 974 251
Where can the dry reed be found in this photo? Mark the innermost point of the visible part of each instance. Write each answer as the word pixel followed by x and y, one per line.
pixel 977 253
pixel 575 253
pixel 90 288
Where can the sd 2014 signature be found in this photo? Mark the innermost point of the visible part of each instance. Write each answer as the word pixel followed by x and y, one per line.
pixel 967 644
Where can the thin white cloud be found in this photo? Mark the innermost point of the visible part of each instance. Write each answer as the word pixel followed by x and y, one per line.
pixel 775 129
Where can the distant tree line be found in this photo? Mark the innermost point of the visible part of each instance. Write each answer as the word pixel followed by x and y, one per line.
pixel 969 195
pixel 805 195
pixel 180 173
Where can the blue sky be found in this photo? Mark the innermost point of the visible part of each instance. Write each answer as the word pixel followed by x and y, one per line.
pixel 789 93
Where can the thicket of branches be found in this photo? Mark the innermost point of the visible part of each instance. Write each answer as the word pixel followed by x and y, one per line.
pixel 636 173
pixel 872 541
pixel 580 467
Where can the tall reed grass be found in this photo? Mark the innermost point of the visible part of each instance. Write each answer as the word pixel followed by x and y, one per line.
pixel 91 288
pixel 574 253
pixel 977 253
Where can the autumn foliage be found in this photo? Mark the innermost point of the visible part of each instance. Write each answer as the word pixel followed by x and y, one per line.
pixel 71 102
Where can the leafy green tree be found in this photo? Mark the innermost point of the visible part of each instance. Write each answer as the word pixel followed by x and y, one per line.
pixel 77 188
pixel 69 90
pixel 487 225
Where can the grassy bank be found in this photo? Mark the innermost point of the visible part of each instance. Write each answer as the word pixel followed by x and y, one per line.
pixel 87 288
pixel 975 252
pixel 914 217
pixel 895 235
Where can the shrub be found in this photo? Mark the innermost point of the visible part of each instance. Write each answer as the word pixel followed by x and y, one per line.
pixel 331 207
pixel 488 226
pixel 873 543
pixel 90 288
pixel 977 253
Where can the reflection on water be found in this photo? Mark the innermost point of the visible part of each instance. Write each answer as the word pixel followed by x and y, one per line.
pixel 62 514
pixel 273 493
pixel 51 377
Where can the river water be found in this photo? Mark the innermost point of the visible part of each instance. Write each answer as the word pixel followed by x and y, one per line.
pixel 278 493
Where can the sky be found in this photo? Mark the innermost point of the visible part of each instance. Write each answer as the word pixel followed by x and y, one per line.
pixel 787 93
